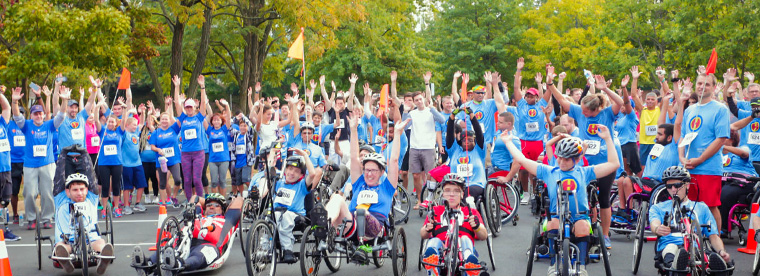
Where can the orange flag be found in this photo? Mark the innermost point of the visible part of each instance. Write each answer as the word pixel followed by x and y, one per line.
pixel 463 93
pixel 125 79
pixel 384 98
pixel 712 63
pixel 296 50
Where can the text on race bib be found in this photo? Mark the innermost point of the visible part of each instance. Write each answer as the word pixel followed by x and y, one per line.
pixel 148 147
pixel 109 150
pixel 367 197
pixel 651 130
pixel 615 134
pixel 19 141
pixel 342 123
pixel 82 207
pixel 190 134
pixel 753 138
pixel 240 149
pixel 379 139
pixel 168 152
pixel 464 170
pixel 40 150
pixel 217 147
pixel 687 139
pixel 593 147
pixel 95 141
pixel 77 134
pixel 531 127
pixel 5 145
pixel 656 150
pixel 285 196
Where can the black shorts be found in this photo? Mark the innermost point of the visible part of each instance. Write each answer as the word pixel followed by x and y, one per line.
pixel 17 177
pixel 631 154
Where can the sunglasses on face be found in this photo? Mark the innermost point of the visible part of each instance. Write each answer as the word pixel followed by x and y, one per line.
pixel 674 185
pixel 217 205
pixel 480 93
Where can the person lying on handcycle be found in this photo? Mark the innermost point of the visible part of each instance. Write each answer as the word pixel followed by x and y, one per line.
pixel 210 234
pixel 453 191
pixel 670 245
pixel 76 192
pixel 569 151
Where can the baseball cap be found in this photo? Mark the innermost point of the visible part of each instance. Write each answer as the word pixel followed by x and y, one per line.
pixel 36 108
pixel 189 103
pixel 73 102
pixel 533 91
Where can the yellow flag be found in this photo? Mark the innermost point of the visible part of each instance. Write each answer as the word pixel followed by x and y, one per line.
pixel 296 50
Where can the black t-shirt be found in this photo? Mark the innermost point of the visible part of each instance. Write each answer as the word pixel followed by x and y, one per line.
pixel 346 129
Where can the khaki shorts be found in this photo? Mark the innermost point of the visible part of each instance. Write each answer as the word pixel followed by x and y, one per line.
pixel 421 160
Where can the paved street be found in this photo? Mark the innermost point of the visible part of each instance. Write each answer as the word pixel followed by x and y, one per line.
pixel 139 229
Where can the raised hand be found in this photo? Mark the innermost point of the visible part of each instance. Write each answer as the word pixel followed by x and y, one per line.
pixel 367 91
pixel 141 108
pixel 201 80
pixel 176 80
pixel 624 81
pixel 353 121
pixel 600 82
pixel 293 88
pixel 65 93
pixel 150 105
pixel 224 102
pixel 309 92
pixel 674 74
pixel 353 78
pixel 750 77
pixel 466 78
pixel 333 85
pixel 520 63
pixel 549 74
pixel 97 83
pixel 603 131
pixel 313 84
pixel 562 76
pixel 487 76
pixel 168 100
pixel 538 78
pixel 635 74
pixel 181 98
pixel 46 91
pixel 495 79
pixel 730 76
pixel 250 91
pixel 257 88
pixel 687 85
pixel 427 76
pixel 400 127
pixel 457 74
pixel 120 100
pixel 660 72
pixel 16 95
pixel 394 76
pixel 701 70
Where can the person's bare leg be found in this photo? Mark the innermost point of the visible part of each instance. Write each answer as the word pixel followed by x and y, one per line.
pixel 716 214
pixel 625 189
pixel 405 179
pixel 419 179
pixel 125 194
pixel 14 204
pixel 97 246
pixel 139 196
pixel 524 177
pixel 337 210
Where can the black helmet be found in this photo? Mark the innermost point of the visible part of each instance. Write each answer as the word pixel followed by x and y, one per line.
pixel 218 198
pixel 296 161
pixel 676 172
pixel 755 102
pixel 453 178
pixel 570 147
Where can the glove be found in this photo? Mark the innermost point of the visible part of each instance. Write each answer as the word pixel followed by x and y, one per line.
pixel 456 111
pixel 189 215
pixel 468 110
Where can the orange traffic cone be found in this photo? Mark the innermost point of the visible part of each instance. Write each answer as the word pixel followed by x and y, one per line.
pixel 161 218
pixel 751 243
pixel 5 263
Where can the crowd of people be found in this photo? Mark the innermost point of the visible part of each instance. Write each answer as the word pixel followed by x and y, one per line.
pixel 703 132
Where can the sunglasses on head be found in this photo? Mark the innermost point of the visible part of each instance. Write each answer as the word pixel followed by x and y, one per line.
pixel 676 185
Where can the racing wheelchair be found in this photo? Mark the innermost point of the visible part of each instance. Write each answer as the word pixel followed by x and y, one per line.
pixel 82 255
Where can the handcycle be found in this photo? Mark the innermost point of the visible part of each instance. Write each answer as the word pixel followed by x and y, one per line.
pixel 502 202
pixel 432 192
pixel 646 197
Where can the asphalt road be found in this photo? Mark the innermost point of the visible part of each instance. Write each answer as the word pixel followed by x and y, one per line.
pixel 509 251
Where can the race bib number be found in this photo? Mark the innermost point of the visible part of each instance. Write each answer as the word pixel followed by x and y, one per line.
pixel 531 127
pixel 40 150
pixel 342 123
pixel 285 196
pixel 82 207
pixel 95 141
pixel 593 147
pixel 464 170
pixel 379 139
pixel 753 138
pixel 168 152
pixel 5 145
pixel 209 253
pixel 19 141
pixel 217 147
pixel 651 130
pixel 147 147
pixel 367 197
pixel 109 150
pixel 190 134
pixel 615 134
pixel 656 150
pixel 687 139
pixel 77 134
pixel 240 149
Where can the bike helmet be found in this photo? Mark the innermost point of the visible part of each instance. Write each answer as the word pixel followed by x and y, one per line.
pixel 218 198
pixel 307 125
pixel 453 178
pixel 676 172
pixel 571 147
pixel 296 161
pixel 77 177
pixel 755 102
pixel 375 157
pixel 368 148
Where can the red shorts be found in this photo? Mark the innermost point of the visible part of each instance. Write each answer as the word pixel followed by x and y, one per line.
pixel 705 188
pixel 531 149
pixel 439 172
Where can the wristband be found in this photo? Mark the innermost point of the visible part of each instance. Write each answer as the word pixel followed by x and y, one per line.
pixel 549 83
pixel 675 79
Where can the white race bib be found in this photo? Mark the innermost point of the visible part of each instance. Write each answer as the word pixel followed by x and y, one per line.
pixel 168 152
pixel 379 139
pixel 217 147
pixel 5 145
pixel 285 196
pixel 615 134
pixel 753 138
pixel 109 150
pixel 593 147
pixel 148 147
pixel 77 134
pixel 531 127
pixel 656 150
pixel 687 139
pixel 367 197
pixel 651 130
pixel 19 141
pixel 190 134
pixel 95 141
pixel 82 207
pixel 342 124
pixel 464 170
pixel 240 149
pixel 40 150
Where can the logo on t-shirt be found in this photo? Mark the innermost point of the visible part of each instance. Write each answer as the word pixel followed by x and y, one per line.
pixel 464 160
pixel 754 126
pixel 308 152
pixel 381 132
pixel 134 140
pixel 727 162
pixel 479 115
pixel 695 123
pixel 532 112
pixel 569 184
pixel 315 137
pixel 592 129
pixel 74 124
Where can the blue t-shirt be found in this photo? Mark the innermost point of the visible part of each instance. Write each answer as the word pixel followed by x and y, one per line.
pixel 500 157
pixel 218 140
pixel 621 168
pixel 130 149
pixel 484 112
pixel 241 159
pixel 320 132
pixel 167 141
pixel 384 192
pixel 56 149
pixel 39 139
pixel 316 155
pixel 291 196
pixel 191 132
pixel 72 131
pixel 744 105
pixel 656 163
pixel 709 122
pixel 701 211
pixel 147 154
pixel 110 147
pixel 626 126
pixel 531 120
pixel 472 164
pixel 442 126
pixel 361 130
pixel 588 131
pixel 752 135
pixel 18 142
pixel 578 176
pixel 387 147
pixel 5 147
pixel 735 164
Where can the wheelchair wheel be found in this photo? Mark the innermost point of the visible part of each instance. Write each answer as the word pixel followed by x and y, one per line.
pixel 333 258
pixel 247 217
pixel 378 257
pixel 398 253
pixel 423 244
pixel 638 240
pixel 565 257
pixel 423 196
pixel 402 204
pixel 492 209
pixel 38 238
pixel 82 240
pixel 756 262
pixel 310 257
pixel 260 254
pixel 605 254
pixel 660 194
pixel 532 249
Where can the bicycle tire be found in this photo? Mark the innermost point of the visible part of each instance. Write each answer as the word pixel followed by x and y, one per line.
pixel 565 257
pixel 638 241
pixel 399 251
pixel 605 257
pixel 756 262
pixel 333 258
pixel 402 205
pixel 247 218
pixel 512 202
pixel 253 246
pixel 82 240
pixel 38 237
pixel 532 249
pixel 309 253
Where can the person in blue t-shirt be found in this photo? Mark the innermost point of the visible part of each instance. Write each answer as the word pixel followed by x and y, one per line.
pixel 749 122
pixel 164 142
pixel 133 175
pixel 218 144
pixel 244 150
pixel 148 157
pixel 18 143
pixel 467 153
pixel 72 131
pixel 670 246
pixel 567 175
pixel 736 169
pixel 6 185
pixel 110 166
pixel 501 160
pixel 440 128
pixel 191 131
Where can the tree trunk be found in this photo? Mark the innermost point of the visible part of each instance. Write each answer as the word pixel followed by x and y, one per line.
pixel 176 55
pixel 157 89
pixel 200 61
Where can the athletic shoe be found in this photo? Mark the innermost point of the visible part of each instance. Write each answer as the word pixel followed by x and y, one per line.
pixel 47 225
pixel 155 200
pixel 623 213
pixel 15 219
pixel 472 263
pixel 100 207
pixel 103 263
pixel 681 260
pixel 31 225
pixel 138 260
pixel 288 257
pixel 582 271
pixel 103 214
pixel 525 198
pixel 607 242
pixel 552 271
pixel 127 210
pixel 139 207
pixel 60 251
pixel 9 236
pixel 718 264
pixel 117 213
pixel 425 204
pixel 175 201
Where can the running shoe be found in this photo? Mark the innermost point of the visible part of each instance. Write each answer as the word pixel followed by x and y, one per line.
pixel 127 210
pixel 117 213
pixel 103 263
pixel 31 225
pixel 524 198
pixel 9 236
pixel 16 219
pixel 139 207
pixel 60 251
pixel 47 225
pixel 103 214
pixel 175 201
pixel 607 242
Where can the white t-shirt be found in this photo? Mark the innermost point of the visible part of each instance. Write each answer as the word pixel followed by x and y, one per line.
pixel 423 129
pixel 268 134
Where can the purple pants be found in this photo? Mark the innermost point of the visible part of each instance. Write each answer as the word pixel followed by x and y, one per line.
pixel 192 169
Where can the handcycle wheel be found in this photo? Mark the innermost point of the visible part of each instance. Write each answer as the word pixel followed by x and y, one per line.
pixel 638 240
pixel 247 217
pixel 260 255
pixel 334 258
pixel 605 257
pixel 38 238
pixel 378 257
pixel 566 257
pixel 532 249
pixel 82 240
pixel 398 253
pixel 310 257
pixel 109 225
pixel 168 236
pixel 452 262
pixel 423 196
pixel 489 225
pixel 493 210
pixel 402 204
pixel 756 262
pixel 423 244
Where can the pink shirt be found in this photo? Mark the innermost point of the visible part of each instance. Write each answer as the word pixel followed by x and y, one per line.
pixel 92 138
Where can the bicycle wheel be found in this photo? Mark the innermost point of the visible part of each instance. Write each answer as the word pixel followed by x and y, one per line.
pixel 532 249
pixel 423 196
pixel 261 256
pixel 398 253
pixel 756 262
pixel 492 211
pixel 605 257
pixel 638 240
pixel 509 202
pixel 378 256
pixel 419 260
pixel 401 206
pixel 168 236
pixel 566 257
pixel 310 257
pixel 332 256
pixel 38 238
pixel 247 217
pixel 82 240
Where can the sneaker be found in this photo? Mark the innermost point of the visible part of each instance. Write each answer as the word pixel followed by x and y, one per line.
pixel 288 257
pixel 525 198
pixel 170 262
pixel 9 236
pixel 717 264
pixel 175 201
pixel 552 271
pixel 117 213
pixel 100 206
pixel 623 213
pixel 432 258
pixel 582 271
pixel 607 242
pixel 681 260
pixel 31 225
pixel 47 225
pixel 139 207
pixel 155 200
pixel 102 214
pixel 15 219
pixel 127 210
pixel 60 251
pixel 472 263
pixel 366 248
pixel 103 263
pixel 138 260
pixel 425 204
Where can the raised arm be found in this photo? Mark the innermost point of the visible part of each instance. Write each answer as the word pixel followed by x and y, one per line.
pixel 529 165
pixel 518 80
pixel 454 88
pixel 325 96
pixel 627 108
pixel 617 102
pixel 178 104
pixel 350 99
pixel 612 164
pixel 557 95
pixel 395 153
pixel 394 76
pixel 204 97
pixel 488 78
pixel 4 105
pixel 356 164
pixel 497 98
pixel 635 88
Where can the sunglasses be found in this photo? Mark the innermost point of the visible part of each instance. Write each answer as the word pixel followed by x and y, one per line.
pixel 217 205
pixel 480 93
pixel 676 185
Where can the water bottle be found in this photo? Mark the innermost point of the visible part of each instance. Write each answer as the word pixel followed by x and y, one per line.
pixel 588 75
pixel 162 160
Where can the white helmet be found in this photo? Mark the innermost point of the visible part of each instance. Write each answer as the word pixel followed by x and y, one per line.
pixel 377 158
pixel 77 177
